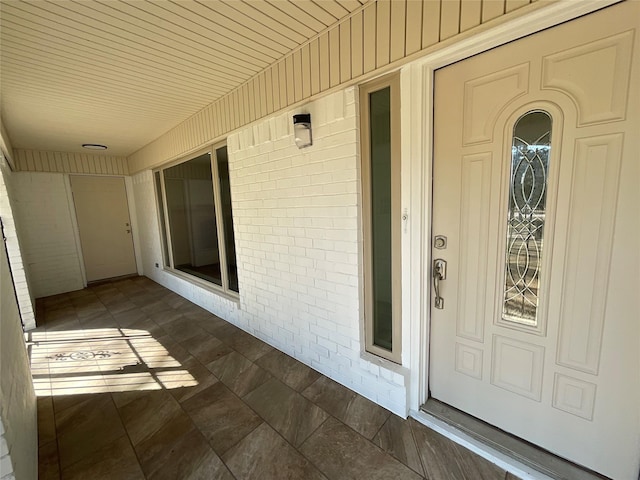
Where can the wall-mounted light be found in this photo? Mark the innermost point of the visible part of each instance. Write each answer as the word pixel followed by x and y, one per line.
pixel 94 146
pixel 302 130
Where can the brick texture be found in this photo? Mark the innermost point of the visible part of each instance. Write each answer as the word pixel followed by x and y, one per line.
pixel 296 228
pixel 18 421
pixel 14 247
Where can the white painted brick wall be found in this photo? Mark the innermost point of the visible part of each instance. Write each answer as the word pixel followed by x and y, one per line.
pixel 11 231
pixel 296 228
pixel 18 417
pixel 49 245
pixel 6 467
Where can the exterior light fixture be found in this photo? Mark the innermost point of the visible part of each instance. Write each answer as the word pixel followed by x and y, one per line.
pixel 302 130
pixel 94 146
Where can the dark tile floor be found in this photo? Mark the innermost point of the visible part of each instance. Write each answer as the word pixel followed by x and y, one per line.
pixel 134 381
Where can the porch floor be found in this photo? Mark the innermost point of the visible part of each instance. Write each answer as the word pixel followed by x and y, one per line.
pixel 134 381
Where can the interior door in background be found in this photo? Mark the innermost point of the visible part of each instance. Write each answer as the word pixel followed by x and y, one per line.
pixel 102 212
pixel 536 189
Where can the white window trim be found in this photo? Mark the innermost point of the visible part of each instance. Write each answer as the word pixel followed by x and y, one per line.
pixel 391 81
pixel 165 236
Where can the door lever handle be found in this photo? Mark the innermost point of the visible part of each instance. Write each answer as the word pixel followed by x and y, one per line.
pixel 439 274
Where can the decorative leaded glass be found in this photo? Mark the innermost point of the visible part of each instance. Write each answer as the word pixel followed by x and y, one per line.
pixel 526 216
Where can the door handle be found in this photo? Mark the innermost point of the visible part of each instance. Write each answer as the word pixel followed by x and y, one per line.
pixel 439 274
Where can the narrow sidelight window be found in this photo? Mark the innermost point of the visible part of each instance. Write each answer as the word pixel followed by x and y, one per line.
pixel 163 227
pixel 227 216
pixel 380 122
pixel 194 203
pixel 526 216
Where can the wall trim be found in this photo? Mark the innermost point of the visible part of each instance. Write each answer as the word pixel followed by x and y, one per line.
pixel 69 162
pixel 319 59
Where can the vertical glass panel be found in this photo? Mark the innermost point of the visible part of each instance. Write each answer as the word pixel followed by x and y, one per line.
pixel 526 216
pixel 192 219
pixel 380 135
pixel 227 217
pixel 163 226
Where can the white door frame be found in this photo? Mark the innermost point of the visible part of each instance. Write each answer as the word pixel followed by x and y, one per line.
pixel 417 160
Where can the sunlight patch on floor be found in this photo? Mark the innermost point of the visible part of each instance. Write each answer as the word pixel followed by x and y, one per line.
pixel 102 360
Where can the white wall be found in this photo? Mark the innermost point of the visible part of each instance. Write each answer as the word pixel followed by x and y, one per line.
pixel 43 206
pixel 296 227
pixel 18 417
pixel 13 242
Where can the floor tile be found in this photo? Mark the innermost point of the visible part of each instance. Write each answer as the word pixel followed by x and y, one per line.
pixel 443 459
pixel 46 420
pixel 113 460
pixel 179 451
pixel 182 329
pixel 238 373
pixel 66 325
pixel 210 323
pixel 100 320
pixel 151 305
pixel 209 467
pixel 146 414
pixel 361 414
pixel 86 427
pixel 119 304
pixel 288 370
pixel 165 316
pixel 288 412
pixel 241 341
pixel 221 416
pixel 207 348
pixel 196 379
pixel 130 317
pixel 92 310
pixel 48 465
pixel 395 437
pixel 341 453
pixel 264 455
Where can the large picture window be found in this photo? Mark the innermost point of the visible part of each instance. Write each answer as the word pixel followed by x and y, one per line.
pixel 380 128
pixel 196 220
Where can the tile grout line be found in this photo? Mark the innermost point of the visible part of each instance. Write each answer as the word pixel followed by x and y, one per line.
pixel 53 410
pixel 126 432
pixel 415 441
pixel 317 467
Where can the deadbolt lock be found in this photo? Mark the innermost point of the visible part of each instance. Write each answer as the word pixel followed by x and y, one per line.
pixel 440 242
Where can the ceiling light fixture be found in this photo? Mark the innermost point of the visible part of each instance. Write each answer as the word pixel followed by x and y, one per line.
pixel 94 146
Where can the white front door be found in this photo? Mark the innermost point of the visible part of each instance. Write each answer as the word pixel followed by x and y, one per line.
pixel 536 181
pixel 102 211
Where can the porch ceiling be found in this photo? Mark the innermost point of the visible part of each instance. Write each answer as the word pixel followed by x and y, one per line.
pixel 121 73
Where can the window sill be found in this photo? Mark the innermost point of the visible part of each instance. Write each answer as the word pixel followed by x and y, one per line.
pixel 208 286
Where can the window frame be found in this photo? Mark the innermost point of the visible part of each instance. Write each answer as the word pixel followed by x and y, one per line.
pixel 393 82
pixel 165 234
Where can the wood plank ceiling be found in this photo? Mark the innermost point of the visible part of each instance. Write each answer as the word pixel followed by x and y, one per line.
pixel 121 73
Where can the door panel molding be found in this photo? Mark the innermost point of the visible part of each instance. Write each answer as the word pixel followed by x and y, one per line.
pixel 417 155
pixel 422 79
